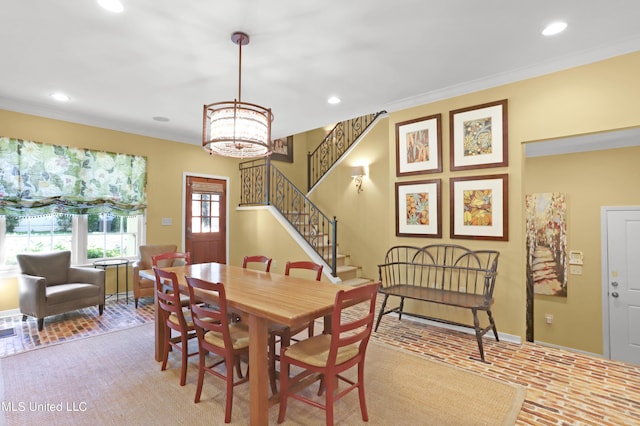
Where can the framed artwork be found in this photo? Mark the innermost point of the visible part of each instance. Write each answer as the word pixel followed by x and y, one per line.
pixel 547 243
pixel 283 149
pixel 418 209
pixel 479 136
pixel 479 207
pixel 418 146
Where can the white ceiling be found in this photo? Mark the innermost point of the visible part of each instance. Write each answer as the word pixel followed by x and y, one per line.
pixel 169 58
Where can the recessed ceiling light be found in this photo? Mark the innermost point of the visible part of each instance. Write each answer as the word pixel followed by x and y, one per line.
pixel 114 6
pixel 161 119
pixel 60 97
pixel 333 100
pixel 554 28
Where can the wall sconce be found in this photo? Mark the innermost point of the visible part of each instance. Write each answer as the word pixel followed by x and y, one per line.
pixel 357 173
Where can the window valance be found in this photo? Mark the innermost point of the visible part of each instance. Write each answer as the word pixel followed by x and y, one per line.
pixel 37 178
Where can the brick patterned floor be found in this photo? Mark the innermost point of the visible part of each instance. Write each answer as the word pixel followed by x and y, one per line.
pixel 117 315
pixel 563 387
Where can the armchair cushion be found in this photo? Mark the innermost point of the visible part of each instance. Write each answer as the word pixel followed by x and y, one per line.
pixel 148 251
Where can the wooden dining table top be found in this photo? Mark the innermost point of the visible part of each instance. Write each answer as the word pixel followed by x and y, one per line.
pixel 283 299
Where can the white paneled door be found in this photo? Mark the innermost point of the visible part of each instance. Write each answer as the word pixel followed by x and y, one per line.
pixel 621 287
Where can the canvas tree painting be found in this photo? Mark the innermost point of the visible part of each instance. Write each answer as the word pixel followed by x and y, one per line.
pixel 547 243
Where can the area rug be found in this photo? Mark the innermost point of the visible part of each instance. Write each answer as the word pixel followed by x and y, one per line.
pixel 78 324
pixel 113 379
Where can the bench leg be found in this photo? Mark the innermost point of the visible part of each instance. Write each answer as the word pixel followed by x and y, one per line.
pixel 401 308
pixel 476 326
pixel 381 313
pixel 493 325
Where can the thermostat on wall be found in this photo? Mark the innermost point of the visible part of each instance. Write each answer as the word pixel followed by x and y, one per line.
pixel 576 258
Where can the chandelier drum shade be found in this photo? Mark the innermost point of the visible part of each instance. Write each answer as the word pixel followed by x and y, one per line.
pixel 235 128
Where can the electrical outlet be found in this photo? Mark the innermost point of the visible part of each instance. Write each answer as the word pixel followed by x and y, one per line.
pixel 575 269
pixel 549 318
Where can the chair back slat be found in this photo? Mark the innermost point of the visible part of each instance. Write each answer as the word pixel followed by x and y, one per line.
pixel 169 259
pixel 266 261
pixel 311 266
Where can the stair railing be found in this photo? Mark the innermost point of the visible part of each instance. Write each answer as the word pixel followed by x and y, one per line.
pixel 335 145
pixel 264 184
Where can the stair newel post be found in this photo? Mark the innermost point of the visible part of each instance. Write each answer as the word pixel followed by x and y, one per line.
pixel 334 247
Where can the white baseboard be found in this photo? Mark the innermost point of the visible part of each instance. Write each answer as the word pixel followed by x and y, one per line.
pixel 551 345
pixel 9 312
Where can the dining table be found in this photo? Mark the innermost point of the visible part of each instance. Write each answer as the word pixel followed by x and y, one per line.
pixel 261 298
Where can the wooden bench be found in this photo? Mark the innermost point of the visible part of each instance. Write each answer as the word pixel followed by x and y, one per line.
pixel 441 273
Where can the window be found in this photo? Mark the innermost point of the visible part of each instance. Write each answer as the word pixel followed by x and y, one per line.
pixel 205 213
pixel 88 237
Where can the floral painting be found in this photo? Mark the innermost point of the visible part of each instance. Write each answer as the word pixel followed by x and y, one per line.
pixel 547 243
pixel 417 205
pixel 477 137
pixel 418 208
pixel 479 207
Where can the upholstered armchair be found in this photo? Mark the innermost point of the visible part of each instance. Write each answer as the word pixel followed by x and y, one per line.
pixel 49 285
pixel 143 287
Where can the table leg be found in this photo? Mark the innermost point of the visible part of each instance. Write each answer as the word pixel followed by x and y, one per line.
pixel 327 324
pixel 258 371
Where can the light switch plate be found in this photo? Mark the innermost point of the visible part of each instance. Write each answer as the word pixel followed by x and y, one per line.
pixel 166 221
pixel 575 269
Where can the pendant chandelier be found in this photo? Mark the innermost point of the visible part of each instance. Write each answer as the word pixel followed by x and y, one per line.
pixel 235 128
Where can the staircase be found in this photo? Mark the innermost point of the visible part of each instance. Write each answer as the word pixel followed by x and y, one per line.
pixel 347 273
pixel 263 184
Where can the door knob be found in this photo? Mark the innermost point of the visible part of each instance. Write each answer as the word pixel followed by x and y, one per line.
pixel 614 283
pixel 615 294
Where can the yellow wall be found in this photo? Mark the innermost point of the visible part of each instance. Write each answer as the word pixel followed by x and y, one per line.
pixel 593 98
pixel 590 180
pixel 166 163
pixel 598 97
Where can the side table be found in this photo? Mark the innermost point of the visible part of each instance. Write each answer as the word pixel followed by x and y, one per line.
pixel 104 264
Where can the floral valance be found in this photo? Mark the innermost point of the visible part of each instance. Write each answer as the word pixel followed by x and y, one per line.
pixel 37 178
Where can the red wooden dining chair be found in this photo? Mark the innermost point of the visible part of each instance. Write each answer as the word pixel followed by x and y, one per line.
pixel 266 261
pixel 329 355
pixel 216 335
pixel 168 259
pixel 173 317
pixel 283 334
